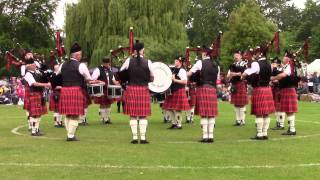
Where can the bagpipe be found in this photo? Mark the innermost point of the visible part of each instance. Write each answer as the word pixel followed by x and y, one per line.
pixel 214 55
pixel 121 54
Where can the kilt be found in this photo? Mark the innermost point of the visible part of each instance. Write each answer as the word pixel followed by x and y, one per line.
pixel 87 98
pixel 262 101
pixel 288 100
pixel 53 104
pixel 177 101
pixel 206 103
pixel 72 101
pixel 276 98
pixel 137 101
pixel 240 96
pixel 103 100
pixel 26 98
pixel 36 106
pixel 192 93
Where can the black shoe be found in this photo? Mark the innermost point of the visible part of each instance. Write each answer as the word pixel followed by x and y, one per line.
pixel 257 138
pixel 134 141
pixel 108 122
pixel 83 124
pixel 210 140
pixel 189 121
pixel 203 140
pixel 144 142
pixel 278 128
pixel 289 133
pixel 179 127
pixel 237 123
pixel 37 134
pixel 72 139
pixel 265 137
pixel 61 125
pixel 173 126
pixel 57 126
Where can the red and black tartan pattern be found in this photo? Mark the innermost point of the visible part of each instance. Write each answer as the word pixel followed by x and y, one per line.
pixel 288 100
pixel 72 101
pixel 26 98
pixel 103 100
pixel 276 98
pixel 192 93
pixel 177 101
pixel 137 101
pixel 36 107
pixel 206 103
pixel 240 96
pixel 53 105
pixel 262 101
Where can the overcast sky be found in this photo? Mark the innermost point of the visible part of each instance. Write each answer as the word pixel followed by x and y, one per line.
pixel 60 13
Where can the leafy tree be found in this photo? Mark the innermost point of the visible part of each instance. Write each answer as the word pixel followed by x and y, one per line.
pixel 102 25
pixel 246 27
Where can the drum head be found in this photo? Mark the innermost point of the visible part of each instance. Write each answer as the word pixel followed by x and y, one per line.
pixel 162 77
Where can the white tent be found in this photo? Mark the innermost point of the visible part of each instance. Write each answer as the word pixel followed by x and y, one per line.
pixel 314 67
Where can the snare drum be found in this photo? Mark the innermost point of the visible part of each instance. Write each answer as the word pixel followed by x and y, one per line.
pixel 161 97
pixel 95 90
pixel 114 92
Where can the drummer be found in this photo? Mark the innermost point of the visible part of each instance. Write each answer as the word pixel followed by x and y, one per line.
pixel 104 73
pixel 178 100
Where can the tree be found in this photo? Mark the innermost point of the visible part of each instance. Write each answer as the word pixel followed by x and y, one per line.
pixel 246 27
pixel 102 25
pixel 27 22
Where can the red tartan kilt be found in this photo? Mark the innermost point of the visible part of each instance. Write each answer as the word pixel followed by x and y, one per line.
pixel 72 101
pixel 137 101
pixel 262 101
pixel 87 99
pixel 178 101
pixel 192 93
pixel 36 108
pixel 240 97
pixel 53 105
pixel 288 100
pixel 276 98
pixel 206 103
pixel 26 98
pixel 103 100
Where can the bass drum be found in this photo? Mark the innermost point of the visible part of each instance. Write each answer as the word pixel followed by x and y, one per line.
pixel 162 78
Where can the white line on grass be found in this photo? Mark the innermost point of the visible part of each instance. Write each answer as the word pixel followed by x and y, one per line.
pixel 15 131
pixel 108 166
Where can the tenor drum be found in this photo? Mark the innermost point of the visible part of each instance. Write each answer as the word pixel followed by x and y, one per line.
pixel 114 91
pixel 95 90
pixel 162 78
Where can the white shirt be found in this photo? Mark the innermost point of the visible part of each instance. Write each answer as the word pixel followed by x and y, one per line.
pixel 23 70
pixel 182 74
pixel 96 74
pixel 198 66
pixel 126 64
pixel 29 78
pixel 83 70
pixel 255 68
pixel 287 69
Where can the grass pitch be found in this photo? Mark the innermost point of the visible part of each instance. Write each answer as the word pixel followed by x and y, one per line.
pixel 105 152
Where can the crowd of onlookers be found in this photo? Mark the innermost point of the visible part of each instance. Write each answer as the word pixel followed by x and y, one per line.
pixel 12 90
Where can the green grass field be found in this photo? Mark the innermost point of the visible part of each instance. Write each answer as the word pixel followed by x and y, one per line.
pixel 105 152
